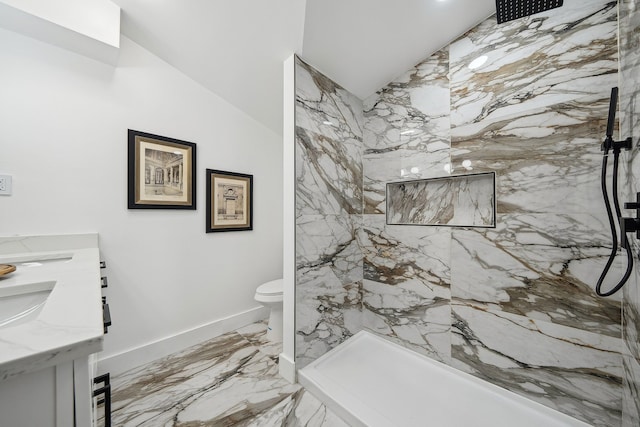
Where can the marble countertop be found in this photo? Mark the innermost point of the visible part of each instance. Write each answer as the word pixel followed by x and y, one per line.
pixel 70 323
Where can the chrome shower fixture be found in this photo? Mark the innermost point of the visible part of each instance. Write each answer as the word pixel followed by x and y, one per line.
pixel 508 10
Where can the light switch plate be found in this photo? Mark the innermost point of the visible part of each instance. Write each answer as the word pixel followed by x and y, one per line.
pixel 5 185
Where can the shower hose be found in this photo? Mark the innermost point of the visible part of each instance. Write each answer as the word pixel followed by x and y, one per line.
pixel 623 239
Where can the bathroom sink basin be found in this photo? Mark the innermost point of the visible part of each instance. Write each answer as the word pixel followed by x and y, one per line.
pixel 22 304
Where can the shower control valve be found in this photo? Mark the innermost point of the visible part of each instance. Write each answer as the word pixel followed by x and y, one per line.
pixel 616 146
pixel 634 205
pixel 630 225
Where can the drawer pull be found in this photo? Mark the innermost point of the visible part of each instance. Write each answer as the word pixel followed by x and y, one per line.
pixel 106 316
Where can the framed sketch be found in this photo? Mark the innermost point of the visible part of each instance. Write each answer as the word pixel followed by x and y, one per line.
pixel 161 172
pixel 229 201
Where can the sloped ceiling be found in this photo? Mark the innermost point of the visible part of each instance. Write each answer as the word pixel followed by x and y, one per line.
pixel 236 48
pixel 364 44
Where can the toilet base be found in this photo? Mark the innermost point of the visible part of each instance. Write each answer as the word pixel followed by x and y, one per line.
pixel 274 329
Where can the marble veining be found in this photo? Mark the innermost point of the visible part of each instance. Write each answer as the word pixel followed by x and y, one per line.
pixel 25 244
pixel 551 58
pixel 630 127
pixel 631 392
pixel 70 324
pixel 327 181
pixel 574 371
pixel 326 108
pixel 538 266
pixel 455 201
pixel 330 241
pixel 406 131
pixel 406 291
pixel 536 111
pixel 328 283
pixel 327 313
pixel 551 172
pixel 631 315
pixel 629 104
pixel 535 114
pixel 329 202
pixel 328 146
pixel 231 380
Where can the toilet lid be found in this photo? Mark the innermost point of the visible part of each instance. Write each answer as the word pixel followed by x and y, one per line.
pixel 273 287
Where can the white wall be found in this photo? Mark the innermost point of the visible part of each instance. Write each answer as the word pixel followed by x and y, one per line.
pixel 63 137
pixel 87 27
pixel 97 19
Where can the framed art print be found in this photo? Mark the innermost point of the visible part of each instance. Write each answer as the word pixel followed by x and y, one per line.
pixel 229 201
pixel 161 172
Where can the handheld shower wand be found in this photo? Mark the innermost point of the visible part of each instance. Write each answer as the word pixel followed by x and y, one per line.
pixel 616 146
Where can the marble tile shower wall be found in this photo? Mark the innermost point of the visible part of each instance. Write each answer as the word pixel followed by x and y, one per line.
pixel 630 127
pixel 328 214
pixel 407 286
pixel 513 305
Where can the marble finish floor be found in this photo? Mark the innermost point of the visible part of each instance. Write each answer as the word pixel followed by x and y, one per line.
pixel 231 380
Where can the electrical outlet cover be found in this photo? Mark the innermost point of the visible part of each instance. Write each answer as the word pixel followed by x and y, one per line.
pixel 5 185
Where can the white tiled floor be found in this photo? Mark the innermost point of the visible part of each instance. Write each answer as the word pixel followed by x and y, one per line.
pixel 231 380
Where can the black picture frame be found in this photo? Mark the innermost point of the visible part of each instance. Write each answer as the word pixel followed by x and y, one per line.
pixel 161 172
pixel 229 201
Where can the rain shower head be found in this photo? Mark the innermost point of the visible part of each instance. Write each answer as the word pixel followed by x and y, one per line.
pixel 508 10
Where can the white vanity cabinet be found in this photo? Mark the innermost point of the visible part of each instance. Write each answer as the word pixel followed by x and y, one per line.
pixel 48 351
pixel 57 396
pixel 84 372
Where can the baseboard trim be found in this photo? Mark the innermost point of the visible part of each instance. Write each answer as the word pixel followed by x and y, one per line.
pixel 137 356
pixel 287 368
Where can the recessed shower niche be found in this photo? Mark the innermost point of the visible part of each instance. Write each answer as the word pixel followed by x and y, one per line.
pixel 454 201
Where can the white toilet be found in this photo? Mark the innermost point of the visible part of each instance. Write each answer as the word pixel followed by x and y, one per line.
pixel 270 295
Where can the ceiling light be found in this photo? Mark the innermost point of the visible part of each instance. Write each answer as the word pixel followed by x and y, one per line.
pixel 478 62
pixel 415 169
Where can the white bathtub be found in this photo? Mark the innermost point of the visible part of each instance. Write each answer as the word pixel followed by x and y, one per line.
pixel 370 381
